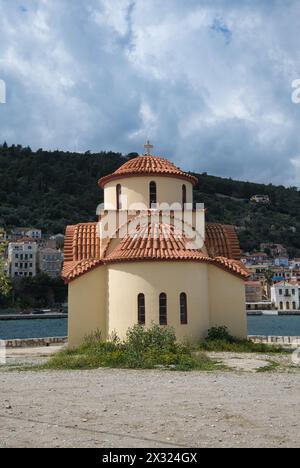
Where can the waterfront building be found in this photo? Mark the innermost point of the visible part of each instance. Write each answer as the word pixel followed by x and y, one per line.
pixel 44 243
pixel 285 295
pixel 254 291
pixel 22 259
pixel 257 258
pixel 154 266
pixel 50 262
pixel 295 263
pixel 281 262
pixel 19 233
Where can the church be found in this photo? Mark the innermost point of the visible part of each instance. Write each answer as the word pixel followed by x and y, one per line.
pixel 152 258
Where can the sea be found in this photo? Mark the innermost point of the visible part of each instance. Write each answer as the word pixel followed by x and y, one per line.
pixel 257 325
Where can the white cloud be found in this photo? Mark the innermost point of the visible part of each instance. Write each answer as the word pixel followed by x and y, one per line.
pixel 209 82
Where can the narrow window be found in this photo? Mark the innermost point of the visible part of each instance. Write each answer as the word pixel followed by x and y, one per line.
pixel 119 194
pixel 163 312
pixel 294 305
pixel 281 305
pixel 153 194
pixel 141 309
pixel 184 201
pixel 183 309
pixel 287 306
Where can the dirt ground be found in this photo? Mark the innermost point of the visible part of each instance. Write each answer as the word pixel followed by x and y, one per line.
pixel 152 409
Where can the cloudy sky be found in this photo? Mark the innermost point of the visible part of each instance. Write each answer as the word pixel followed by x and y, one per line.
pixel 209 82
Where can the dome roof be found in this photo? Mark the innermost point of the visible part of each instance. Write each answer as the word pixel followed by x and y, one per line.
pixel 148 165
pixel 154 241
pixel 221 241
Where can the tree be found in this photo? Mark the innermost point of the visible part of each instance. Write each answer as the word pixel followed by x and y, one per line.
pixel 269 277
pixel 5 284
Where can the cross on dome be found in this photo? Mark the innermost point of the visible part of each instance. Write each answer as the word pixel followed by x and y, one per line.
pixel 148 147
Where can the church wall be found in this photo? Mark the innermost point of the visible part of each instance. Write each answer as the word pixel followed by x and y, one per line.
pixel 136 189
pixel 128 280
pixel 227 301
pixel 87 306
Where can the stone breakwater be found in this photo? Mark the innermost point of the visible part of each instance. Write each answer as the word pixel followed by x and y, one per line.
pixel 36 342
pixel 286 341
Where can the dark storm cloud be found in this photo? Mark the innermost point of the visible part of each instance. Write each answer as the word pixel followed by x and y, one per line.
pixel 208 82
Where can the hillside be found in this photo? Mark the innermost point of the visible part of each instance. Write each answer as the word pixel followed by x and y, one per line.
pixel 52 189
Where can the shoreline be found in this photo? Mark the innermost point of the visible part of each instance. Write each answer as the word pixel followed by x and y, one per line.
pixel 17 317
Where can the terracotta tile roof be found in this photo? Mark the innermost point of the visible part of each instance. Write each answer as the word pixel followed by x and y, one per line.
pixel 72 270
pixel 82 250
pixel 222 241
pixel 82 242
pixel 148 166
pixel 157 242
pixel 236 267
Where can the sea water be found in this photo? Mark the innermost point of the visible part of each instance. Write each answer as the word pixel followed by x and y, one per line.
pixel 257 325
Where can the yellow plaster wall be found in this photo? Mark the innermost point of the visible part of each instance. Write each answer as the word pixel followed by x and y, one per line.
pixel 87 306
pixel 215 298
pixel 126 281
pixel 227 301
pixel 136 189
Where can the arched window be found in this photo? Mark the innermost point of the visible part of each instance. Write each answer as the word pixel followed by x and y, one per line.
pixel 141 309
pixel 287 306
pixel 184 199
pixel 119 195
pixel 183 309
pixel 153 194
pixel 163 309
pixel 281 305
pixel 294 305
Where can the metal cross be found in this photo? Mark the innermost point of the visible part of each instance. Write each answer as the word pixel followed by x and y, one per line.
pixel 148 147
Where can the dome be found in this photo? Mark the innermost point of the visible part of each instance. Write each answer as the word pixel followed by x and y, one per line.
pixel 154 241
pixel 148 165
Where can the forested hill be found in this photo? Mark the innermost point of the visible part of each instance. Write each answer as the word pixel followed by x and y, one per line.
pixel 49 190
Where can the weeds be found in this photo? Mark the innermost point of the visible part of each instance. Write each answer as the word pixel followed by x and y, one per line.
pixel 219 340
pixel 151 348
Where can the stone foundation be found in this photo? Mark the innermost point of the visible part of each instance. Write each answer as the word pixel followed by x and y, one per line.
pixel 36 342
pixel 286 341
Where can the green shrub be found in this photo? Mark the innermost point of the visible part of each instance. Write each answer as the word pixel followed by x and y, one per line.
pixel 220 340
pixel 143 348
pixel 219 334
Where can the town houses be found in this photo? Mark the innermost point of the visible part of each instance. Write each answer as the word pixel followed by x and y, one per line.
pixel 27 253
pixel 274 282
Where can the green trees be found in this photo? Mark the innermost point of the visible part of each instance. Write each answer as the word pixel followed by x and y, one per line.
pixel 5 285
pixel 38 292
pixel 52 189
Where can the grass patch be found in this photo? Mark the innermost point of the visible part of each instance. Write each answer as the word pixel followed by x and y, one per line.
pixel 154 348
pixel 270 368
pixel 219 340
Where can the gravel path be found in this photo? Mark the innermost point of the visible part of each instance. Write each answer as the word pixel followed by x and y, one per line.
pixel 117 408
